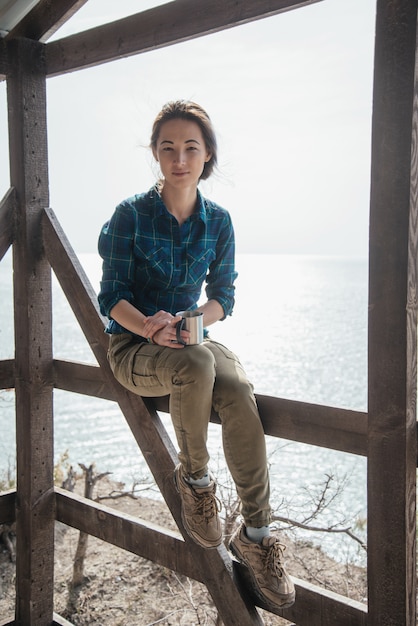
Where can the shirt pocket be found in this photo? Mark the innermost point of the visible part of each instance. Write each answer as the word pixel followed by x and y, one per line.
pixel 198 266
pixel 154 266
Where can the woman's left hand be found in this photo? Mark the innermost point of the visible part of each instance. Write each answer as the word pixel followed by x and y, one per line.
pixel 161 328
pixel 167 336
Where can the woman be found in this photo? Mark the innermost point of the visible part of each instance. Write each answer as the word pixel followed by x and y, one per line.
pixel 158 249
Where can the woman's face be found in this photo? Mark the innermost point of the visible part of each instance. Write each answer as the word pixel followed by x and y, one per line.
pixel 181 152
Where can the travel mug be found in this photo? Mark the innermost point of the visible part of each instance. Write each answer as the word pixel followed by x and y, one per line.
pixel 193 322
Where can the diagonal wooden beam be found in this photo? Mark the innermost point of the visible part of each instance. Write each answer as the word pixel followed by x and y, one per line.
pixel 127 532
pixel 45 19
pixel 7 211
pixel 158 27
pixel 74 281
pixel 7 374
pixel 8 506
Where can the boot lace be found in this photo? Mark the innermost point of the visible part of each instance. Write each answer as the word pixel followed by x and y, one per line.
pixel 207 505
pixel 273 559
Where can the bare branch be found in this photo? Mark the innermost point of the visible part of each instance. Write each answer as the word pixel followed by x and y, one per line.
pixel 324 499
pixel 322 529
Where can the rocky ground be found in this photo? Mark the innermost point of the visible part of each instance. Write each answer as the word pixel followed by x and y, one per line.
pixel 122 589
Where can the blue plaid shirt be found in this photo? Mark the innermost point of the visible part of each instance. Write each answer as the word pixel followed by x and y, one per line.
pixel 154 263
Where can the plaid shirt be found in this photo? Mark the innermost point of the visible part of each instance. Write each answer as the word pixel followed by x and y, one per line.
pixel 154 263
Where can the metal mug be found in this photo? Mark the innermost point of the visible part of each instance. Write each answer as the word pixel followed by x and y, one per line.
pixel 193 322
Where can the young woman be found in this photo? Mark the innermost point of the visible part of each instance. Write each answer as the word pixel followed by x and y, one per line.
pixel 158 250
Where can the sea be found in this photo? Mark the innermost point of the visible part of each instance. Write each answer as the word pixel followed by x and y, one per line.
pixel 300 329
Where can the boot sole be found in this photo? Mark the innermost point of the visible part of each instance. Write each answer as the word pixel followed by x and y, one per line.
pixel 250 583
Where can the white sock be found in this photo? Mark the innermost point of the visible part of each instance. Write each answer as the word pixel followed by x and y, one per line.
pixel 199 482
pixel 257 534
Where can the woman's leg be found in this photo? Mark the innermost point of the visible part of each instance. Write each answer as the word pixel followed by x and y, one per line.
pixel 187 375
pixel 243 436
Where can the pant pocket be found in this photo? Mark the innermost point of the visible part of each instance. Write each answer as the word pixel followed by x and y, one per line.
pixel 133 363
pixel 144 372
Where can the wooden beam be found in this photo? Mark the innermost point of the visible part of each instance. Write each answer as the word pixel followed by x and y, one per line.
pixel 316 606
pixel 74 282
pixel 158 27
pixel 392 446
pixel 8 206
pixel 26 89
pixel 8 506
pixel 328 427
pixel 125 531
pixel 3 60
pixel 7 374
pixel 325 426
pixel 57 621
pixel 81 378
pixel 45 19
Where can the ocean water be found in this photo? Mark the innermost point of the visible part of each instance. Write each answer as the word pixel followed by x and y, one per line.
pixel 300 329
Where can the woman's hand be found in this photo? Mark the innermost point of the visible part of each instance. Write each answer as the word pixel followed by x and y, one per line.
pixel 161 329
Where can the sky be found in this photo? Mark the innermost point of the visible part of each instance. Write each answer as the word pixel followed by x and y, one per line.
pixel 290 97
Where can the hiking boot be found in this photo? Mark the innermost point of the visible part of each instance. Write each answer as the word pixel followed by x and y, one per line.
pixel 199 511
pixel 270 582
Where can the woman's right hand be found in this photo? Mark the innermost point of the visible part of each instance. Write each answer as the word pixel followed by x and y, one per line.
pixel 161 329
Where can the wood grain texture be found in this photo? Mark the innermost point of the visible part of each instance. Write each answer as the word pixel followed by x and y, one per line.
pixel 158 27
pixel 392 320
pixel 127 532
pixel 3 60
pixel 7 506
pixel 7 374
pixel 7 220
pixel 35 513
pixel 46 17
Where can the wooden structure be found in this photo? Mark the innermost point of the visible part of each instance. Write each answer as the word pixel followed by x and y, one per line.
pixel 387 433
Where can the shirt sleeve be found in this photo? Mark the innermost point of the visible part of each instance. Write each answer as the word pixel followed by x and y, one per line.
pixel 116 249
pixel 221 276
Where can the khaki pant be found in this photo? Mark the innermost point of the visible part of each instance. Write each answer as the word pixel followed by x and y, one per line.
pixel 197 378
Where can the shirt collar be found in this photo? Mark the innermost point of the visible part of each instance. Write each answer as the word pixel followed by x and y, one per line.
pixel 161 209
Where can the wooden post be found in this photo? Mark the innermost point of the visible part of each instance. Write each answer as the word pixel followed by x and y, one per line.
pixel 393 321
pixel 35 512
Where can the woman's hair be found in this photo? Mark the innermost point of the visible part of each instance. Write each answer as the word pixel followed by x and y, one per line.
pixel 187 110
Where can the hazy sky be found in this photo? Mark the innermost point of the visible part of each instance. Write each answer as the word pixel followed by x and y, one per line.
pixel 290 97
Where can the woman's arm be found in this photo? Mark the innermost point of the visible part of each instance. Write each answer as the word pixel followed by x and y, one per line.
pixel 221 276
pixel 212 312
pixel 129 317
pixel 160 328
